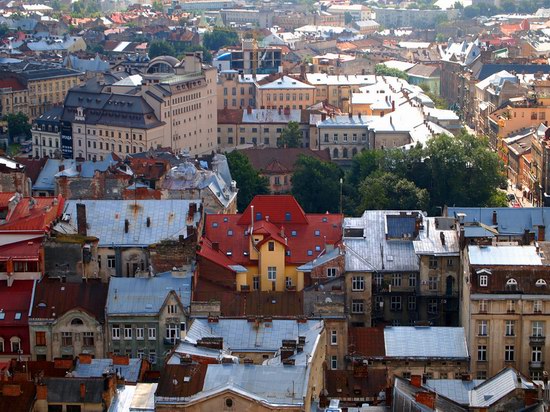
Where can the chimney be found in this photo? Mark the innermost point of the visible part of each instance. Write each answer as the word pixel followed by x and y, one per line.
pixel 350 115
pixel 287 111
pixel 249 110
pixel 85 359
pixel 426 398
pixel 41 392
pixel 61 168
pixel 81 223
pixel 78 167
pixel 120 360
pixel 286 353
pixel 542 233
pixel 192 209
pixel 11 390
pixel 323 116
pixel 416 380
pixel 126 225
pixel 495 220
pixel 280 110
pixel 442 237
pixel 82 391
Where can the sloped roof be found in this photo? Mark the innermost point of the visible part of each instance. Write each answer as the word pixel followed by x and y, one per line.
pixel 15 299
pixel 504 255
pixel 425 342
pixel 368 342
pixel 97 367
pixel 263 159
pixel 506 381
pixel 31 214
pixel 68 390
pixel 173 382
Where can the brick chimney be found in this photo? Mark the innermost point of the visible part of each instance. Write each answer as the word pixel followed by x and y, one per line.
pixel 542 233
pixel 287 111
pixel 81 222
pixel 41 392
pixel 120 360
pixel 249 110
pixel 416 380
pixel 82 391
pixel 426 398
pixel 11 390
pixel 495 218
pixel 85 359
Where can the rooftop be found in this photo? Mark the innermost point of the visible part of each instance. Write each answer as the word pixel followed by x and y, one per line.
pixel 504 255
pixel 425 342
pixel 97 367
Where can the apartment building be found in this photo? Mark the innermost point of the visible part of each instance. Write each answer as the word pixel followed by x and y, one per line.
pixel 46 133
pixel 250 58
pixel 337 89
pixel 281 91
pixel 237 90
pixel 171 105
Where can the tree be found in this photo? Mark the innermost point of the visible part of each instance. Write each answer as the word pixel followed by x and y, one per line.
pixel 18 125
pixel 316 185
pixel 161 48
pixel 4 29
pixel 290 136
pixel 249 182
pixel 219 38
pixel 389 191
pixel 383 70
pixel 348 18
pixel 157 6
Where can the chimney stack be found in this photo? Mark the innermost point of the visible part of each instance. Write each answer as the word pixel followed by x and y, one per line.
pixel 82 391
pixel 542 233
pixel 495 220
pixel 81 223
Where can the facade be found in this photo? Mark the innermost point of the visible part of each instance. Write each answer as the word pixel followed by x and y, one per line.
pixel 279 92
pixel 396 18
pixel 147 316
pixel 250 58
pixel 263 247
pixel 67 319
pixel 46 134
pixel 335 88
pixel 171 105
pixel 236 90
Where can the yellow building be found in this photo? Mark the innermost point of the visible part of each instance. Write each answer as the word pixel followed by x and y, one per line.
pixel 263 247
pixel 278 91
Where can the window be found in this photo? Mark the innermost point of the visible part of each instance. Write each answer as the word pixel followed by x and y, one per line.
pixel 1 345
pixel 482 353
pixel 172 332
pixel 357 283
pixel 357 306
pixel 483 306
pixel 483 280
pixel 482 328
pixel 412 303
pixel 334 337
pixel 334 362
pixel 115 332
pixel 482 375
pixel 432 306
pixel 272 273
pixel 271 246
pixel 317 233
pixel 511 306
pixel 172 309
pixel 509 353
pixel 537 328
pixel 332 272
pixel 450 262
pixel 540 283
pixel 511 284
pixel 66 339
pixel 433 262
pixel 152 334
pixel 152 356
pixel 229 403
pixel 127 332
pixel 432 283
pixel 396 279
pixel 88 339
pixel 111 261
pixel 412 280
pixel 40 338
pixel 537 306
pixel 288 282
pixel 536 354
pixel 395 303
pixel 139 333
pixel 510 328
pixel 15 343
pixel 256 283
pixel 378 303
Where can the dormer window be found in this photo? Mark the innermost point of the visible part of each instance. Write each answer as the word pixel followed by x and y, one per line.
pixel 317 233
pixel 541 283
pixel 258 216
pixel 511 284
pixel 483 280
pixel 229 232
pixel 288 216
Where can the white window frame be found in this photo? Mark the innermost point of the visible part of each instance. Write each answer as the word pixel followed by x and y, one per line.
pixel 396 279
pixel 483 328
pixel 332 272
pixel 172 332
pixel 483 281
pixel 396 303
pixel 115 333
pixel 411 302
pixel 139 333
pixel 127 333
pixel 111 261
pixel 510 328
pixel 536 354
pixel 412 280
pixel 334 337
pixel 482 353
pixel 357 306
pixel 152 334
pixel 537 306
pixel 433 282
pixel 272 273
pixel 358 283
pixel 334 362
pixel 509 353
pixel 172 309
pixel 537 328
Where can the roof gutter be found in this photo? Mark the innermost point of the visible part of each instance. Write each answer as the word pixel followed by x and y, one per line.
pixel 32 297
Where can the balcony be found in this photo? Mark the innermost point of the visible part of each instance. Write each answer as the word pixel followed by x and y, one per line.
pixel 537 340
pixel 536 365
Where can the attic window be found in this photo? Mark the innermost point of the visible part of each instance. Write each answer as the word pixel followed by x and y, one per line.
pixel 225 219
pixel 540 283
pixel 294 233
pixel 214 224
pixel 288 216
pixel 317 248
pixel 258 216
pixel 18 316
pixel 325 219
pixel 229 232
pixel 310 253
pixel 317 233
pixel 77 321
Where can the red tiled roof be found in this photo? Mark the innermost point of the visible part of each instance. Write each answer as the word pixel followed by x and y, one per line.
pixel 343 383
pixel 59 298
pixel 23 402
pixel 25 250
pixel 280 159
pixel 215 256
pixel 368 342
pixel 304 236
pixel 25 217
pixel 230 116
pixel 15 299
pixel 13 83
pixel 33 167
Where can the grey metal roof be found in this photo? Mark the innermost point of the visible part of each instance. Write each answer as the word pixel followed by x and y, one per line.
pixel 457 390
pixel 321 260
pixel 425 342
pixel 436 240
pixel 67 390
pixel 503 255
pixel 275 385
pixel 46 178
pixel 500 385
pixel 145 296
pixel 98 367
pixel 106 220
pixel 510 220
pixel 240 335
pixel 374 252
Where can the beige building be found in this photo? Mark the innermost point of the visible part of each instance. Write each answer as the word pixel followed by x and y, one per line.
pixel 278 91
pixel 237 91
pixel 505 309
pixel 171 105
pixel 337 89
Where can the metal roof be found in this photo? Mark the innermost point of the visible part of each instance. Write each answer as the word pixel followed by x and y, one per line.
pixel 500 385
pixel 457 390
pixel 145 296
pixel 425 342
pixel 98 367
pixel 503 255
pixel 436 241
pixel 275 385
pixel 168 219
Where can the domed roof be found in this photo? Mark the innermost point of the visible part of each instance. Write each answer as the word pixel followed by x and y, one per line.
pixel 172 61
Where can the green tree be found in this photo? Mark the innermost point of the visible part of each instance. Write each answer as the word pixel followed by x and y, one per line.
pixel 249 182
pixel 161 48
pixel 348 18
pixel 290 136
pixel 157 6
pixel 316 185
pixel 383 70
pixel 18 125
pixel 389 191
pixel 4 29
pixel 219 38
pixel 206 55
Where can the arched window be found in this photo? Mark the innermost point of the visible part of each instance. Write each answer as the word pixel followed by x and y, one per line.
pixel 77 321
pixel 354 152
pixel 335 153
pixel 541 283
pixel 15 343
pixel 345 153
pixel 228 404
pixel 511 284
pixel 1 345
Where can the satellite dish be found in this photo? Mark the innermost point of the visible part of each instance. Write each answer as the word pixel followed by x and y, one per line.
pixel 328 300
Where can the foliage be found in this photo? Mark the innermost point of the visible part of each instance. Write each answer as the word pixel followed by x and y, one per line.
pixel 439 101
pixel 161 48
pixel 389 191
pixel 316 185
pixel 290 136
pixel 18 125
pixel 157 6
pixel 383 70
pixel 206 55
pixel 81 9
pixel 219 38
pixel 455 170
pixel 249 182
pixel 4 29
pixel 348 18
